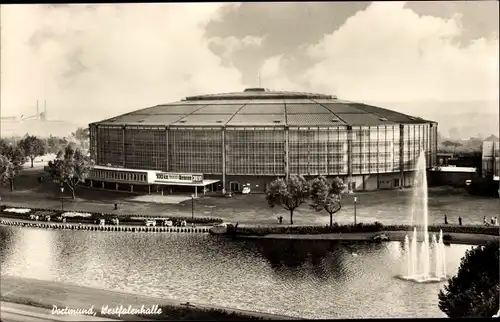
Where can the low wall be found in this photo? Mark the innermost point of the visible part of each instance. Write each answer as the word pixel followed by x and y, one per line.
pixel 159 229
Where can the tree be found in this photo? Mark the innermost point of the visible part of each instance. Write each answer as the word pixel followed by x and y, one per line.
pixel 6 170
pixel 289 193
pixel 82 135
pixel 33 147
pixel 474 291
pixel 12 162
pixel 327 196
pixel 71 166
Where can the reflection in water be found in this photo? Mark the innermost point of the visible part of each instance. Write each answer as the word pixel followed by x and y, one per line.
pixel 312 279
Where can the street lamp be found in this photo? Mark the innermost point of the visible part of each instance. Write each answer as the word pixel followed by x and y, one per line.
pixel 62 198
pixel 355 201
pixel 192 206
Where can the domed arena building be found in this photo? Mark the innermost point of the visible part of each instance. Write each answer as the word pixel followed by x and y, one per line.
pixel 224 142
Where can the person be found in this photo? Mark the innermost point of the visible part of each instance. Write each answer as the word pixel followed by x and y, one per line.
pixel 116 206
pixel 460 221
pixel 445 220
pixel 280 219
pixel 496 221
pixel 484 220
pixel 492 220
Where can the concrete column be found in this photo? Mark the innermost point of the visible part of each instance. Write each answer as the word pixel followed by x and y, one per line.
pixel 91 183
pixel 149 189
pixel 401 156
pixel 116 185
pixel 131 188
pixel 102 184
pixel 223 159
pixel 162 190
pixel 349 157
pixel 195 191
pixel 287 155
pixel 123 147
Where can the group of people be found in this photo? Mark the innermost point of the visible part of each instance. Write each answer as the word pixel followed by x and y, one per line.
pixel 493 221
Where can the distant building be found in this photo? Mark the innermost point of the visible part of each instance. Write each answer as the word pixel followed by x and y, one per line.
pixel 490 158
pixel 451 176
pixel 443 158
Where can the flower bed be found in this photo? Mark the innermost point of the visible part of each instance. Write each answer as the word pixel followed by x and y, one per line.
pixel 92 216
pixel 76 214
pixel 17 210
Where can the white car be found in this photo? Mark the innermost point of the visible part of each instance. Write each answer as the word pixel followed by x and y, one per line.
pixel 149 222
pixel 246 190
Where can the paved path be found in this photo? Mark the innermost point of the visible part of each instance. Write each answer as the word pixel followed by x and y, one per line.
pixel 54 293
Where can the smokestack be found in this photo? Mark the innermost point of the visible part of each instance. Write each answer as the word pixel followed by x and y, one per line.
pixel 37 113
pixel 45 110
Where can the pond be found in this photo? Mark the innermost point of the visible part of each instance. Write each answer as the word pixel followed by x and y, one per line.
pixel 309 279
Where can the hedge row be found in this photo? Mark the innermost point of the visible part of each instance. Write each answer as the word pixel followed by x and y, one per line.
pixel 360 228
pixel 128 219
pixel 310 230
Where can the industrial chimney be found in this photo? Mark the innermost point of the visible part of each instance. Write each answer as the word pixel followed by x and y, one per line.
pixel 45 110
pixel 37 112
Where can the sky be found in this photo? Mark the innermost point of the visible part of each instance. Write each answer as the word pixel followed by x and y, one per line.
pixel 91 62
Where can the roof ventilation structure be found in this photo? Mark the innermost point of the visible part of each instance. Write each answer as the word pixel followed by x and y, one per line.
pixel 383 119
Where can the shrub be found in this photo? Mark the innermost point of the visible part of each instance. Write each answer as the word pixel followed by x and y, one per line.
pixel 447 237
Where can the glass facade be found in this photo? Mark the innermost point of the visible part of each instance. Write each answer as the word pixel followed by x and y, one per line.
pixel 262 150
pixel 146 148
pixel 125 176
pixel 375 149
pixel 317 150
pixel 196 150
pixel 255 151
pixel 110 146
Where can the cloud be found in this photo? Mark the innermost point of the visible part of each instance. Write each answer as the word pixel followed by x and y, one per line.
pixel 387 52
pixel 92 62
pixel 232 44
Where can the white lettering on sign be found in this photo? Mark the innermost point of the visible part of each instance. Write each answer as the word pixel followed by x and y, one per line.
pixel 179 177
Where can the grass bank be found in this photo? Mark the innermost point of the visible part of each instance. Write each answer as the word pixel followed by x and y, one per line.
pixel 44 294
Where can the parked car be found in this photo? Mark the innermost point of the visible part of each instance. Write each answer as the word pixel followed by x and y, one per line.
pixel 102 222
pixel 34 217
pixel 246 190
pixel 115 221
pixel 167 222
pixel 183 223
pixel 47 217
pixel 149 222
pixel 228 194
pixel 219 229
pixel 60 219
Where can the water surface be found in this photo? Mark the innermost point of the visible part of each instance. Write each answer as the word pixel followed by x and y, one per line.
pixel 311 279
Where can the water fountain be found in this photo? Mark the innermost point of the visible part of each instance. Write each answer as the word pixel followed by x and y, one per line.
pixel 418 263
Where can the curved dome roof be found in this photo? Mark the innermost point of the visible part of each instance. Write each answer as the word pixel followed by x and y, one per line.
pixel 261 107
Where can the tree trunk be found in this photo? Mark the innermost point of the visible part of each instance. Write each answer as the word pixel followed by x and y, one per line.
pixel 331 220
pixel 291 217
pixel 11 185
pixel 32 159
pixel 72 193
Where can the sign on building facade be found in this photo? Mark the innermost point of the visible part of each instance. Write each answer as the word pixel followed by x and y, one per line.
pixel 171 177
